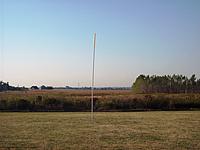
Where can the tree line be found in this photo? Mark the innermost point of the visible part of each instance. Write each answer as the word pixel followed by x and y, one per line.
pixel 166 84
pixel 6 87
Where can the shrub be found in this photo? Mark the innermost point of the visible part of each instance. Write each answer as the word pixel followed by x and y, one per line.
pixel 68 106
pixel 53 104
pixel 3 104
pixel 57 101
pixel 12 105
pixel 23 104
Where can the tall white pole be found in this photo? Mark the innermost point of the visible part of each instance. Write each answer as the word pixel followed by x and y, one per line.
pixel 93 73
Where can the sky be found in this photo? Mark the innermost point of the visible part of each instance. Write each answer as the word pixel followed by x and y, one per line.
pixel 50 42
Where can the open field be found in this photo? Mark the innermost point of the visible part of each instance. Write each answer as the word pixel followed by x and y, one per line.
pixel 63 93
pixel 111 130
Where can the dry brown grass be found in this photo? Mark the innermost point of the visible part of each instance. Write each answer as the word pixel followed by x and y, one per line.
pixel 133 130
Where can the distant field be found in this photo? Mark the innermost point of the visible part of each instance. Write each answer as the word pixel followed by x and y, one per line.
pixel 61 93
pixel 111 130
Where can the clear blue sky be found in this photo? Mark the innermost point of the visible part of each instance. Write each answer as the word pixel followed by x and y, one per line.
pixel 50 41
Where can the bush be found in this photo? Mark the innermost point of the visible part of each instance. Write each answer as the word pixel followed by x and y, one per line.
pixel 37 104
pixel 68 106
pixel 3 105
pixel 53 104
pixel 12 105
pixel 23 104
pixel 112 102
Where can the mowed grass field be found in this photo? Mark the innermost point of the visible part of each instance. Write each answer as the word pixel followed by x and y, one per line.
pixel 108 130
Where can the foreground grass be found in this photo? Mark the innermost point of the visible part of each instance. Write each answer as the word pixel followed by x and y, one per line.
pixel 118 130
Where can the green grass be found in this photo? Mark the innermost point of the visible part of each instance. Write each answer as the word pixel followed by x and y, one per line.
pixel 110 130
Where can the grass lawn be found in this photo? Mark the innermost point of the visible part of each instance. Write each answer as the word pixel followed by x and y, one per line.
pixel 110 130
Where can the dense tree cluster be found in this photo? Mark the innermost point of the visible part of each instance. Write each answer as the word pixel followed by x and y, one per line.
pixel 166 84
pixel 46 87
pixel 43 87
pixel 6 87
